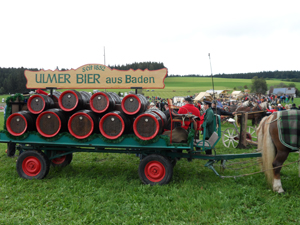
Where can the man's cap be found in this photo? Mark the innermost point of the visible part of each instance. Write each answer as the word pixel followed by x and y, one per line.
pixel 188 99
pixel 294 105
pixel 279 104
pixel 152 103
pixel 207 103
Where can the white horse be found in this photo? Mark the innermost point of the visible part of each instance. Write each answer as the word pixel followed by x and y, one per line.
pixel 264 106
pixel 246 103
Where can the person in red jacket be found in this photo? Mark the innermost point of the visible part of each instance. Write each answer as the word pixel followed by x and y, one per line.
pixel 272 110
pixel 189 108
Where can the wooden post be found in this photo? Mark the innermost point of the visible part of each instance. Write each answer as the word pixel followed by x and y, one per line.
pixel 243 131
pixel 299 164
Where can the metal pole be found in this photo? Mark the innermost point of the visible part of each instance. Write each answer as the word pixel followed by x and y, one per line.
pixel 104 55
pixel 212 79
pixel 104 62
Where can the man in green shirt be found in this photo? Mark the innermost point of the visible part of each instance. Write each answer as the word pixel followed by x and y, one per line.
pixel 208 122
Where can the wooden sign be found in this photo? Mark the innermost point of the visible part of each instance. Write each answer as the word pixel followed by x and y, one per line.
pixel 96 76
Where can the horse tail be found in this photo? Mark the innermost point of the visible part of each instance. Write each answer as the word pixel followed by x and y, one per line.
pixel 260 136
pixel 267 148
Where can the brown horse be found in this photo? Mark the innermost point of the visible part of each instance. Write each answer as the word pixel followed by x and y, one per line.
pixel 274 153
pixel 230 108
pixel 255 117
pixel 234 106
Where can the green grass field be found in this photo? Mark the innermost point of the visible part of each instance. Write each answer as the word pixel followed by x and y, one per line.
pixel 104 188
pixel 183 86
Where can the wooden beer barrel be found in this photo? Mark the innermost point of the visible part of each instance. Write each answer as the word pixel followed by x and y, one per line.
pixel 55 98
pixel 83 123
pixel 39 103
pixel 55 95
pixel 113 124
pixel 133 104
pixel 104 101
pixel 52 121
pixel 20 122
pixel 72 100
pixel 147 125
pixel 161 115
pixel 116 97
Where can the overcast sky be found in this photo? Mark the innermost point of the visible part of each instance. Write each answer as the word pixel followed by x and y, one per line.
pixel 241 36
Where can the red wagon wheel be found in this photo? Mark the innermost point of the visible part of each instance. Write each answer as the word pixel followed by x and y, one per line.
pixel 63 160
pixel 33 164
pixel 155 169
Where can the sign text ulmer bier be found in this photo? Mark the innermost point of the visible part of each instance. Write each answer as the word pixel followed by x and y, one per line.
pixel 96 76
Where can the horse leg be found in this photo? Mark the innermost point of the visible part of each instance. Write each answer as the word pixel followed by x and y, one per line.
pixel 281 156
pixel 278 162
pixel 255 120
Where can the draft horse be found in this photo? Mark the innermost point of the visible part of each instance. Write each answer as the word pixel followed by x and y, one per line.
pixel 255 117
pixel 274 153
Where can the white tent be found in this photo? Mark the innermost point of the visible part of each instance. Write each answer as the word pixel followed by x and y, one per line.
pixel 237 94
pixel 218 92
pixel 201 95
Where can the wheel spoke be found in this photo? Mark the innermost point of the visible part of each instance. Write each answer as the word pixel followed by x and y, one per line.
pixel 232 143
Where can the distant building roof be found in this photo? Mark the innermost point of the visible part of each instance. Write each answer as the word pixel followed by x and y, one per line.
pixel 279 91
pixel 288 91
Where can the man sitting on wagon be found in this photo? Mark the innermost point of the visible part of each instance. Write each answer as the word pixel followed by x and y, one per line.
pixel 187 108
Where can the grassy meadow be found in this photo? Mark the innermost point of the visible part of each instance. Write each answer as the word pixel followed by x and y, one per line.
pixel 183 86
pixel 104 188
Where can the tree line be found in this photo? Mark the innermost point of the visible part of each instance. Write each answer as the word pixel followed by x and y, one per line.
pixel 293 76
pixel 140 65
pixel 12 80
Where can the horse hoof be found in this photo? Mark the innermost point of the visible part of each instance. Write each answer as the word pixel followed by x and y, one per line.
pixel 278 190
